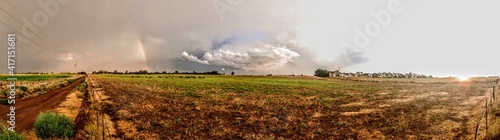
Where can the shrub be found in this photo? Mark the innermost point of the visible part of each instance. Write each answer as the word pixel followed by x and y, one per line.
pixel 11 136
pixel 50 124
pixel 5 134
pixel 92 130
pixel 493 130
pixel 80 95
pixel 37 89
pixel 4 101
pixel 81 87
pixel 4 92
pixel 321 73
pixel 24 88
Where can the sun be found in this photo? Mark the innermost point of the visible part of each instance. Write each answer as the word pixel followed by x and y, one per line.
pixel 462 78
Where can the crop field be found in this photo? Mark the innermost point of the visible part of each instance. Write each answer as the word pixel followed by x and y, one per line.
pixel 34 77
pixel 261 107
pixel 34 84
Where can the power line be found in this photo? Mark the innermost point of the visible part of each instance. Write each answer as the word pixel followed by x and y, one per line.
pixel 24 35
pixel 46 51
pixel 34 47
pixel 22 23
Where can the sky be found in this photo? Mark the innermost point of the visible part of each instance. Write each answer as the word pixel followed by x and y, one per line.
pixel 440 38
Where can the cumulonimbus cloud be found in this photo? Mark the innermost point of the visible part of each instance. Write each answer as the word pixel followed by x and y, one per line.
pixel 259 55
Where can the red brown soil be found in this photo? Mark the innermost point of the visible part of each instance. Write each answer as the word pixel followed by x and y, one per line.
pixel 28 109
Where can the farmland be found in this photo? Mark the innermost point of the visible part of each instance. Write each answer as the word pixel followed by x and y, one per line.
pixel 261 107
pixel 35 94
pixel 34 77
pixel 29 85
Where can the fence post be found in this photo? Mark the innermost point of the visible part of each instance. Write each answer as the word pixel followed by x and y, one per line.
pixel 477 126
pixel 486 114
pixel 103 137
pixel 494 89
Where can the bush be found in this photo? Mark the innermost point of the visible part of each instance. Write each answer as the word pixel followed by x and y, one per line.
pixel 80 95
pixel 493 132
pixel 4 101
pixel 50 124
pixel 322 73
pixel 11 136
pixel 81 87
pixel 24 88
pixel 5 134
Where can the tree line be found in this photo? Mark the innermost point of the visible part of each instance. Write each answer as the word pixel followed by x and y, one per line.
pixel 156 72
pixel 338 73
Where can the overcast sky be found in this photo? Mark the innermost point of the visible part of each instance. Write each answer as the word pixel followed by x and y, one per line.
pixel 446 37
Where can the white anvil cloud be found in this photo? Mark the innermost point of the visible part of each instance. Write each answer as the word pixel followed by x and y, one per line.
pixel 258 56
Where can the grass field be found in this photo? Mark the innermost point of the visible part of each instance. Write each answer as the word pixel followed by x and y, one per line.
pixel 34 77
pixel 291 107
pixel 33 84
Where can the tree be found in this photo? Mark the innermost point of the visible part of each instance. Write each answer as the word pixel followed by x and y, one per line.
pixel 176 72
pixel 232 73
pixel 321 73
pixel 143 72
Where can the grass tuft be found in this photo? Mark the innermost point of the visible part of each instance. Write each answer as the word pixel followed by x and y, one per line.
pixel 49 124
pixel 5 134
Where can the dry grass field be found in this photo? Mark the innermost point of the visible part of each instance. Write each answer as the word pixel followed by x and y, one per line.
pixel 253 107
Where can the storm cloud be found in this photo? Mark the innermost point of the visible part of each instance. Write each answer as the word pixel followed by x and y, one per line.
pixel 259 56
pixel 251 36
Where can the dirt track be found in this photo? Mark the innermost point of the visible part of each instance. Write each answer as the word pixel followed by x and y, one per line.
pixel 28 109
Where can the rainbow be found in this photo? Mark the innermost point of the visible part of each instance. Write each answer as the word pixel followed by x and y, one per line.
pixel 142 52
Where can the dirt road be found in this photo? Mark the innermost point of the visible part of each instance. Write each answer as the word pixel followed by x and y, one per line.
pixel 28 109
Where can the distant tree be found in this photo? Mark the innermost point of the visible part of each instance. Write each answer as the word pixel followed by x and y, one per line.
pixel 126 72
pixel 115 72
pixel 164 72
pixel 321 73
pixel 232 73
pixel 176 72
pixel 143 72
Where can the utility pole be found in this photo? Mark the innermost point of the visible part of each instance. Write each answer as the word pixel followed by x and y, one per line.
pixel 75 67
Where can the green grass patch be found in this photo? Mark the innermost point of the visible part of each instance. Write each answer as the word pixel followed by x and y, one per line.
pixel 34 77
pixel 5 134
pixel 50 124
pixel 246 85
pixel 81 87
